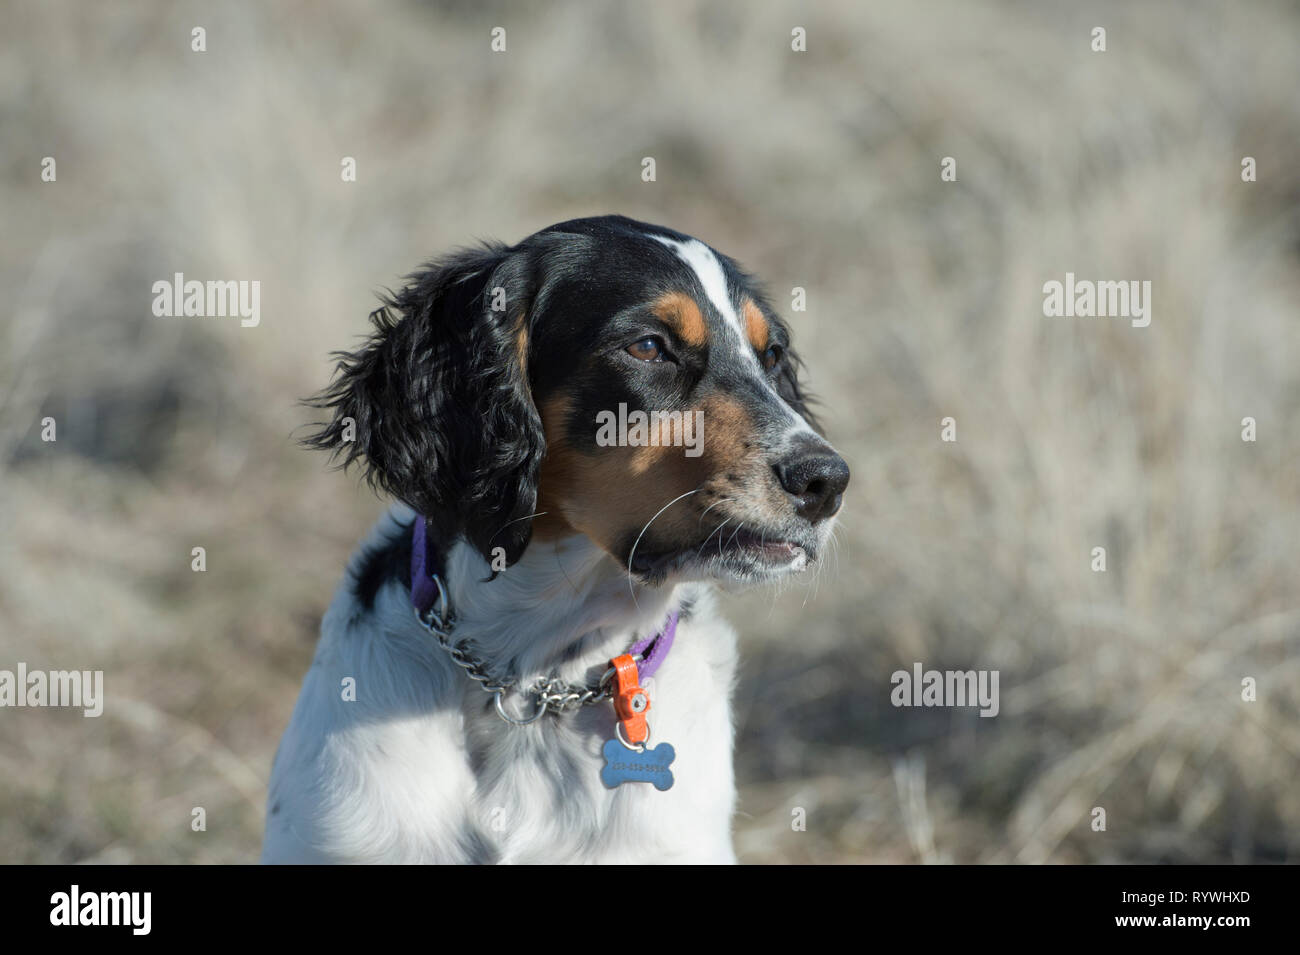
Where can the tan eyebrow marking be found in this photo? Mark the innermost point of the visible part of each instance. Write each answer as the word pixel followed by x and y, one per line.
pixel 683 314
pixel 756 326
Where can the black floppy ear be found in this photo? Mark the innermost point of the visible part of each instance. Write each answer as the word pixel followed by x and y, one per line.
pixel 442 417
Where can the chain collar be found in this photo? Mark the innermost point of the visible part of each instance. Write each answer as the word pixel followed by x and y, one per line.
pixel 432 609
pixel 548 693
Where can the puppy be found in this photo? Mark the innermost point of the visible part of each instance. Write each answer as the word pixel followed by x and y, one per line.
pixel 585 433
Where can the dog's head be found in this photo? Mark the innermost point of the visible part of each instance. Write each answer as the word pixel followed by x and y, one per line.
pixel 603 377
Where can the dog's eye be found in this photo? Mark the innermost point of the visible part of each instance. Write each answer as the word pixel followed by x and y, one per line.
pixel 772 357
pixel 647 349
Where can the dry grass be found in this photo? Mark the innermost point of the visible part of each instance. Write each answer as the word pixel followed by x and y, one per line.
pixel 820 170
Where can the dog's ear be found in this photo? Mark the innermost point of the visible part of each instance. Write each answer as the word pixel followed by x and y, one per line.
pixel 436 403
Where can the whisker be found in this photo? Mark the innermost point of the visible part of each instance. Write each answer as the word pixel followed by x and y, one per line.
pixel 721 500
pixel 734 533
pixel 560 564
pixel 632 553
pixel 526 517
pixel 711 533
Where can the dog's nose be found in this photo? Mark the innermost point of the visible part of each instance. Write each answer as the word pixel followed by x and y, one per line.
pixel 815 476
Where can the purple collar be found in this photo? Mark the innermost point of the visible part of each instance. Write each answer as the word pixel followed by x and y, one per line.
pixel 652 650
pixel 425 591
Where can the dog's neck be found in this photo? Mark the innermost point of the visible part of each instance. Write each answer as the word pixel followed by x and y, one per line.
pixel 564 609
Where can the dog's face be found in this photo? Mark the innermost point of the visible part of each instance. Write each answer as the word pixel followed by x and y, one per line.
pixel 604 377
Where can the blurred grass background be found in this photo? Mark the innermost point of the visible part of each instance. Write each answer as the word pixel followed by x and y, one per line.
pixel 820 170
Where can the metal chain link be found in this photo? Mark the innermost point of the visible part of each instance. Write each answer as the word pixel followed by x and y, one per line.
pixel 548 693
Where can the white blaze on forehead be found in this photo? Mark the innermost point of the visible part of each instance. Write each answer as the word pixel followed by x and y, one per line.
pixel 708 270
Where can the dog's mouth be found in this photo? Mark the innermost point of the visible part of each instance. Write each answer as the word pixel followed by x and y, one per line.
pixel 741 553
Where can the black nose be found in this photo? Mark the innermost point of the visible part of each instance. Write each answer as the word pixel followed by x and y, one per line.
pixel 815 476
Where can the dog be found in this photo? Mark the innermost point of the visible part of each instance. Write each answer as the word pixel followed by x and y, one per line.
pixel 523 662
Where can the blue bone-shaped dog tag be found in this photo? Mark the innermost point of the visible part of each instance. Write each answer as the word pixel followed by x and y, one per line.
pixel 623 765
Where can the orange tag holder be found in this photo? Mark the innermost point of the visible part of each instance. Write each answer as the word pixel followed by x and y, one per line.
pixel 631 701
pixel 627 757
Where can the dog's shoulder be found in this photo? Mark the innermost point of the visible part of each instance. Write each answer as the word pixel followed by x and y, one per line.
pixel 381 761
pixel 378 718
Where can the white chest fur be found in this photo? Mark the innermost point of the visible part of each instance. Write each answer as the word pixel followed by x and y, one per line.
pixel 417 767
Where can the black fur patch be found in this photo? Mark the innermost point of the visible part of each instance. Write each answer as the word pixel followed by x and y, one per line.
pixel 439 400
pixel 387 561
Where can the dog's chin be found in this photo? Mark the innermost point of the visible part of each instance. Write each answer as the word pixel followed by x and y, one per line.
pixel 742 560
